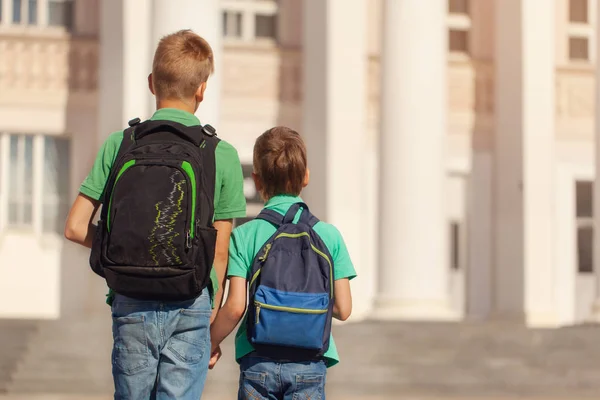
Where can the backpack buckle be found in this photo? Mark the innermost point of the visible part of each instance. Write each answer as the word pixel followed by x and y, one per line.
pixel 134 121
pixel 209 130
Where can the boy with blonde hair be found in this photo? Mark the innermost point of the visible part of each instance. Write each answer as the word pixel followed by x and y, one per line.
pixel 169 190
pixel 296 270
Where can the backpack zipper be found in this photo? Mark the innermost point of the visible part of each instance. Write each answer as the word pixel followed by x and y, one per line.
pixel 295 310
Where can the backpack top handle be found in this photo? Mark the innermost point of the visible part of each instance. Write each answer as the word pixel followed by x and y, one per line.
pixel 193 134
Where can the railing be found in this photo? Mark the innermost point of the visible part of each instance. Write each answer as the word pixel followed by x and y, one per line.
pixel 35 62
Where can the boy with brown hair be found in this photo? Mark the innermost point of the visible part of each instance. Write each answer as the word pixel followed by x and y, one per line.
pixel 296 271
pixel 170 190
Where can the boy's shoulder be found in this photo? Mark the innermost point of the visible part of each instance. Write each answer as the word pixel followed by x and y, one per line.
pixel 114 140
pixel 327 231
pixel 225 151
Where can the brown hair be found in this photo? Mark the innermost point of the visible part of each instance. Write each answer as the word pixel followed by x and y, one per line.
pixel 280 162
pixel 182 62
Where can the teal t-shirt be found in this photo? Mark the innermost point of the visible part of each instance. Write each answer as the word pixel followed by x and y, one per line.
pixel 248 239
pixel 230 201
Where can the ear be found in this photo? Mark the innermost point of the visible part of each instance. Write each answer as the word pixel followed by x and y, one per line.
pixel 151 84
pixel 258 184
pixel 200 93
pixel 306 178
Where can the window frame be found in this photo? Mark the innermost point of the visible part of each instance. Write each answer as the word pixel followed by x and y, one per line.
pixel 42 16
pixel 459 22
pixel 583 222
pixel 582 30
pixel 39 198
pixel 249 9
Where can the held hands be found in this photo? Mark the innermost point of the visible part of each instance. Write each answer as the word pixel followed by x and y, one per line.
pixel 215 354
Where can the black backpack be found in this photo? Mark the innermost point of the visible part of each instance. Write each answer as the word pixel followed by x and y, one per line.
pixel 155 239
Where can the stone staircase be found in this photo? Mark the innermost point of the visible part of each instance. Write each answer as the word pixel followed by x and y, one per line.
pixel 379 360
pixel 66 357
pixel 15 336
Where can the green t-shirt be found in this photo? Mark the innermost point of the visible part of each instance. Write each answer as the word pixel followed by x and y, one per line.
pixel 248 239
pixel 230 201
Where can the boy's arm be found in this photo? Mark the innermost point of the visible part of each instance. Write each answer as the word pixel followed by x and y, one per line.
pixel 231 313
pixel 223 228
pixel 342 307
pixel 79 227
pixel 343 272
pixel 231 203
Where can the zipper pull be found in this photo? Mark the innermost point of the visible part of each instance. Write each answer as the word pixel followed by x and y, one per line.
pixel 257 314
pixel 264 256
pixel 188 240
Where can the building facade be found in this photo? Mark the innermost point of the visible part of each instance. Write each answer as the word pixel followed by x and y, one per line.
pixel 451 141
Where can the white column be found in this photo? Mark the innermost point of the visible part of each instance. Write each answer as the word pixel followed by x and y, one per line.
pixel 42 12
pixel 334 124
pixel 7 15
pixel 595 315
pixel 413 248
pixel 125 62
pixel 38 155
pixel 204 18
pixel 524 275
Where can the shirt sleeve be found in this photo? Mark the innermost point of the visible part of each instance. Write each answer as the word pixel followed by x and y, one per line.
pixel 342 264
pixel 230 201
pixel 93 184
pixel 239 264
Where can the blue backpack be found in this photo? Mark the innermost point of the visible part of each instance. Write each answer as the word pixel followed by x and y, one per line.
pixel 291 290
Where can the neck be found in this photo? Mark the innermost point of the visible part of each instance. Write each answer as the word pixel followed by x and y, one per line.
pixel 184 105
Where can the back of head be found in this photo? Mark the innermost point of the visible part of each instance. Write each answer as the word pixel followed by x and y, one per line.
pixel 280 162
pixel 182 62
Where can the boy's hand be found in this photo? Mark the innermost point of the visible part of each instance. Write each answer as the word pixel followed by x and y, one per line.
pixel 215 355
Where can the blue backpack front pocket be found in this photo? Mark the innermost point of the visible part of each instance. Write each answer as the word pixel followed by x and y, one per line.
pixel 290 319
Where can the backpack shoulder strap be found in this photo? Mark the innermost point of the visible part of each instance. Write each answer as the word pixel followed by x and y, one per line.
pixel 271 216
pixel 307 218
pixel 127 141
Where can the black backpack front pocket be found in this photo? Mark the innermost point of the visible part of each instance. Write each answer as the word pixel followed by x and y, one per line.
pixel 150 218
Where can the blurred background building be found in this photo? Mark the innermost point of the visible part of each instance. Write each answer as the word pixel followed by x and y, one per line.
pixel 452 142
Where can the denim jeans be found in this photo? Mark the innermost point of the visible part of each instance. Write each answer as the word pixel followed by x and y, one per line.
pixel 161 349
pixel 263 379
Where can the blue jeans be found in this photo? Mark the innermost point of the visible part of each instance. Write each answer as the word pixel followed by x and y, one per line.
pixel 263 379
pixel 161 349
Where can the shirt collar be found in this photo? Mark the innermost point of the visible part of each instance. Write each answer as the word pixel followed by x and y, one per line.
pixel 283 199
pixel 176 115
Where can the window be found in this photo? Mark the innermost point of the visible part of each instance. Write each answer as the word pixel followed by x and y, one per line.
pixel 20 196
pixel 265 26
pixel 455 245
pixel 578 11
pixel 16 11
pixel 56 183
pixel 459 25
pixel 250 20
pixel 580 30
pixel 232 24
pixel 585 225
pixel 32 12
pixel 57 13
pixel 38 168
pixel 459 41
pixel 579 48
pixel 60 13
pixel 458 6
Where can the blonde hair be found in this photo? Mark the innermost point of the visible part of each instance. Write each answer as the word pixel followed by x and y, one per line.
pixel 182 62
